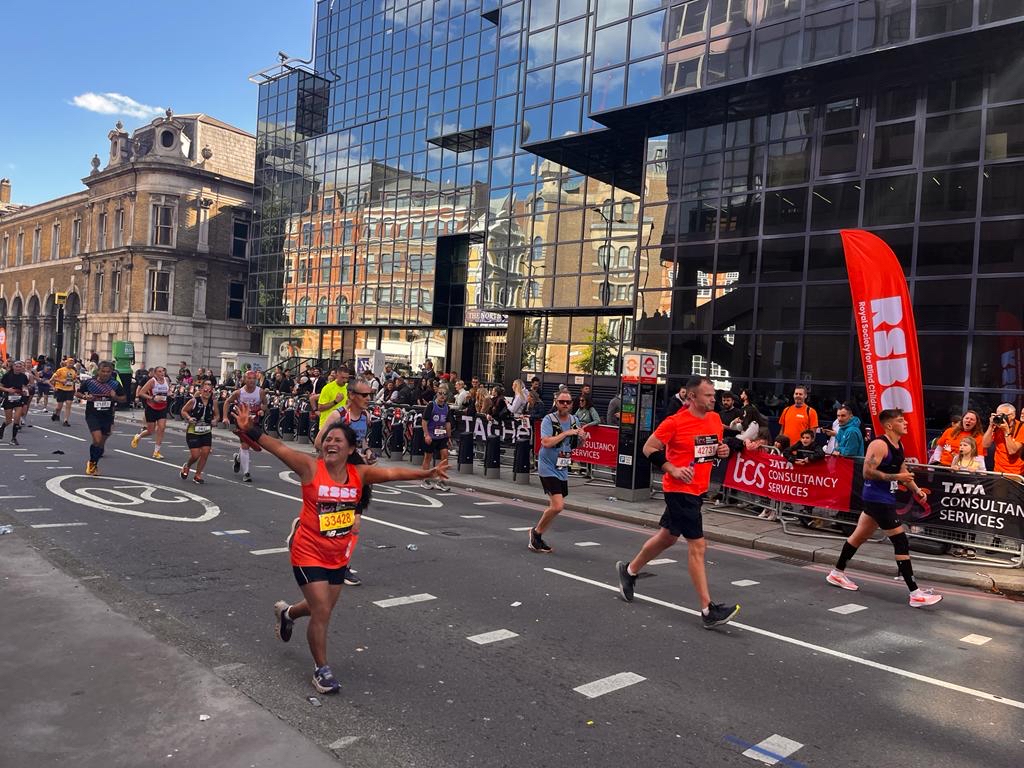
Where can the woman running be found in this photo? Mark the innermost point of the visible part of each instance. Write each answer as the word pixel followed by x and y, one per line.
pixel 153 395
pixel 326 531
pixel 199 413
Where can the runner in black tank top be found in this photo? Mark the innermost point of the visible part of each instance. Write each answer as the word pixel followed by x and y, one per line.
pixel 885 468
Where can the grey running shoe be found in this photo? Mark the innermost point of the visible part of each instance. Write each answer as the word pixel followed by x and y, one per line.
pixel 324 680
pixel 282 624
pixel 626 581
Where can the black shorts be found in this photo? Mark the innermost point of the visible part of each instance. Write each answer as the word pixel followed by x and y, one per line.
pixel 43 388
pixel 64 395
pixel 436 446
pixel 198 441
pixel 152 414
pixel 9 406
pixel 883 514
pixel 305 574
pixel 553 485
pixel 682 515
pixel 100 423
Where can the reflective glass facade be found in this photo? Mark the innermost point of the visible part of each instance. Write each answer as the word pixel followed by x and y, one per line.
pixel 536 186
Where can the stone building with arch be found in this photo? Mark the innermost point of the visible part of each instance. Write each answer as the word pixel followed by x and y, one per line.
pixel 152 251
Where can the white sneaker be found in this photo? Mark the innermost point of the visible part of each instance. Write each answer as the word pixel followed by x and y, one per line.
pixel 840 579
pixel 922 597
pixel 429 484
pixel 442 486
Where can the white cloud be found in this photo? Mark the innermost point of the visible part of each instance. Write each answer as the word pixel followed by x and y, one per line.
pixel 115 104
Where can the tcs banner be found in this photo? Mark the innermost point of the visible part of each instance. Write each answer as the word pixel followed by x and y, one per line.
pixel 826 483
pixel 887 335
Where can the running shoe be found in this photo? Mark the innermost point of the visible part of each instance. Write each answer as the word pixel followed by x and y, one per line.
pixel 626 581
pixel 157 455
pixel 135 441
pixel 92 468
pixel 428 484
pixel 291 533
pixel 922 597
pixel 236 463
pixel 839 579
pixel 537 543
pixel 351 580
pixel 184 472
pixel 3 428
pixel 719 614
pixel 14 440
pixel 67 423
pixel 324 680
pixel 246 478
pixel 198 480
pixel 55 416
pixel 442 486
pixel 282 624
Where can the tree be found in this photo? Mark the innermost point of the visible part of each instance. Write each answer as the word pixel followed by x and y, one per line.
pixel 599 355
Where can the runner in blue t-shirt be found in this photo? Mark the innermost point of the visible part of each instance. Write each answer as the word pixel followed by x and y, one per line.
pixel 560 432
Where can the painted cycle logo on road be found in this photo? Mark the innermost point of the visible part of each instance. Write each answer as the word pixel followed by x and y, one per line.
pixel 382 493
pixel 132 497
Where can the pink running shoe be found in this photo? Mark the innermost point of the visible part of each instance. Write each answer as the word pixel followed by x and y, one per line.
pixel 840 579
pixel 923 597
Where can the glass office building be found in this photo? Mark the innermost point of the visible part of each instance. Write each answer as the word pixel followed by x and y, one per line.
pixel 536 186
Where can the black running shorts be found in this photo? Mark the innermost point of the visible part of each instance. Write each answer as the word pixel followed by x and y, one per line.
pixel 553 485
pixel 64 395
pixel 152 414
pixel 682 515
pixel 883 514
pixel 436 446
pixel 195 442
pixel 305 574
pixel 100 423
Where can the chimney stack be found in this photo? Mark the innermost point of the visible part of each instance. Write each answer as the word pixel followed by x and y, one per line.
pixel 5 191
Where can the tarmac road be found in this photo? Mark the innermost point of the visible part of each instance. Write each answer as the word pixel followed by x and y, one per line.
pixel 792 682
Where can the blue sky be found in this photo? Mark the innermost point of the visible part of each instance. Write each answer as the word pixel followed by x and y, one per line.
pixel 190 55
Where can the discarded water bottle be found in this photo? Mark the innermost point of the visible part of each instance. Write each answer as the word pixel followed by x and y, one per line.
pixel 6 529
pixel 314 701
pixel 411 547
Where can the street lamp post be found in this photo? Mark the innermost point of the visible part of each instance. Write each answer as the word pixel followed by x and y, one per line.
pixel 604 292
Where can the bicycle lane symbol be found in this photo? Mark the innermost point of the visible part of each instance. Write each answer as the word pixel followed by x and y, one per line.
pixel 128 497
pixel 381 493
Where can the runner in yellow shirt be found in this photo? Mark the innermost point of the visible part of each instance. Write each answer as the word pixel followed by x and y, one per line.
pixel 334 393
pixel 64 381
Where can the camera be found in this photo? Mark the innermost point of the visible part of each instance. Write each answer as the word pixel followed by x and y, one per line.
pixel 999 418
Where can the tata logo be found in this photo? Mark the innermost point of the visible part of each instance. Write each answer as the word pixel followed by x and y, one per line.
pixel 340 492
pixel 749 473
pixel 891 365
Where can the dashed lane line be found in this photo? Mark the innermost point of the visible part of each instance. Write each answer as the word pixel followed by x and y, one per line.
pixel 745 583
pixel 774 750
pixel 662 561
pixel 609 684
pixel 472 517
pixel 848 608
pixel 274 551
pixel 934 681
pixel 229 533
pixel 975 639
pixel 17 497
pixel 587 544
pixel 407 600
pixel 34 509
pixel 522 528
pixel 486 503
pixel 492 637
pixel 55 525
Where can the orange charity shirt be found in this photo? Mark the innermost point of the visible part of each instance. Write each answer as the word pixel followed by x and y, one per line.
pixel 690 441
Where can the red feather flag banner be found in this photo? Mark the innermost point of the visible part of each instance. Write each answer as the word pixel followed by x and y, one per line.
pixel 886 335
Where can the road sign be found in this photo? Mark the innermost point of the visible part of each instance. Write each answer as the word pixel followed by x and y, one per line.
pixel 640 367
pixel 60 299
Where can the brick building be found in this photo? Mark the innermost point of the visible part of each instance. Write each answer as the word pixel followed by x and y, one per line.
pixel 152 251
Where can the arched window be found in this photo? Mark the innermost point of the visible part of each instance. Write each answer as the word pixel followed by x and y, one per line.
pixel 607 208
pixel 286 312
pixel 321 311
pixel 537 249
pixel 342 309
pixel 624 260
pixel 534 289
pixel 604 256
pixel 628 210
pixel 538 205
pixel 302 311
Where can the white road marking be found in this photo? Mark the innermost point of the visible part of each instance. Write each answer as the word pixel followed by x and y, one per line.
pixel 392 602
pixel 472 517
pixel 17 497
pixel 523 528
pixel 62 434
pixel 24 455
pixel 609 684
pixel 810 646
pixel 55 525
pixel 486 503
pixel 662 561
pixel 773 749
pixel 41 461
pixel 228 533
pixel 112 498
pixel 975 639
pixel 448 494
pixel 365 517
pixel 343 742
pixel 587 544
pixel 848 609
pixel 65 467
pixel 745 583
pixel 34 509
pixel 274 551
pixel 492 637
